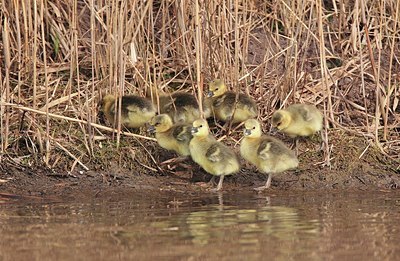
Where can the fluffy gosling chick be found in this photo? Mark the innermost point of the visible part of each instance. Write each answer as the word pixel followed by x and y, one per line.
pixel 298 120
pixel 182 107
pixel 171 137
pixel 268 154
pixel 213 156
pixel 135 111
pixel 224 103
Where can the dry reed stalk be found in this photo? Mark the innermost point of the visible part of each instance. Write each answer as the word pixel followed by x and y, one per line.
pixel 391 86
pixel 46 85
pixel 34 52
pixel 328 113
pixel 198 46
pixel 5 93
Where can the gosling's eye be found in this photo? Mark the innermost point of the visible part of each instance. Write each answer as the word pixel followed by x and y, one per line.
pixel 254 127
pixel 216 89
pixel 201 126
pixel 157 124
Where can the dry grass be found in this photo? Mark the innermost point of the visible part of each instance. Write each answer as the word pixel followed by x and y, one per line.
pixel 58 57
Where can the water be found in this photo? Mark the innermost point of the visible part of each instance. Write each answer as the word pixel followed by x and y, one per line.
pixel 250 226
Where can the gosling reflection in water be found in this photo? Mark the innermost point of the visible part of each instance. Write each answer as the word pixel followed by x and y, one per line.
pixel 226 222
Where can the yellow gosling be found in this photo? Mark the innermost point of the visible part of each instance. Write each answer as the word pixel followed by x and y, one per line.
pixel 268 154
pixel 298 120
pixel 225 106
pixel 175 137
pixel 213 156
pixel 135 111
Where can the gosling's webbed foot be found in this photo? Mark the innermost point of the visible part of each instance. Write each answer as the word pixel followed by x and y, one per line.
pixel 215 190
pixel 262 188
pixel 219 186
pixel 266 186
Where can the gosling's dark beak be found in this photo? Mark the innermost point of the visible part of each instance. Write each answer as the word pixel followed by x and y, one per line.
pixel 274 130
pixel 151 129
pixel 194 130
pixel 210 94
pixel 246 132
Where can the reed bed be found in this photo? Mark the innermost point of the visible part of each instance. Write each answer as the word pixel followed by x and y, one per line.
pixel 59 57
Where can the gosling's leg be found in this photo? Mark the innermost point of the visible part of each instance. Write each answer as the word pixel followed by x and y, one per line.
pixel 212 181
pixel 219 187
pixel 227 127
pixel 267 184
pixel 294 145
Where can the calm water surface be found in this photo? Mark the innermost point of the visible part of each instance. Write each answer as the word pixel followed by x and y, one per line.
pixel 283 226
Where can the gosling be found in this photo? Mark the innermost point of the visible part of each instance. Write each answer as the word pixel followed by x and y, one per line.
pixel 298 120
pixel 213 156
pixel 182 107
pixel 135 111
pixel 225 106
pixel 175 137
pixel 268 154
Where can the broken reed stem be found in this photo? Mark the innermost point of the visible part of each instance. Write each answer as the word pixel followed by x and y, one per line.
pixel 56 116
pixel 71 155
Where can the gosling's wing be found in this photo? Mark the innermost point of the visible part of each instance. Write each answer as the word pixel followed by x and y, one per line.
pixel 183 99
pixel 180 100
pixel 111 108
pixel 248 102
pixel 182 133
pixel 306 113
pixel 133 104
pixel 133 109
pixel 219 100
pixel 215 153
pixel 273 148
pixel 229 100
pixel 270 147
pixel 264 149
pixel 169 106
pixel 164 102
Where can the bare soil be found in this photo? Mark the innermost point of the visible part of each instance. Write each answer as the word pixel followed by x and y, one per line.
pixel 354 164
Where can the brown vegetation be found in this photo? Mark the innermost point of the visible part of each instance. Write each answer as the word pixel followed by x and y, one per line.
pixel 58 57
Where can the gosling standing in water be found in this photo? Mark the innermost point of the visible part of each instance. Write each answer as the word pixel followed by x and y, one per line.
pixel 175 137
pixel 213 156
pixel 135 111
pixel 225 106
pixel 268 154
pixel 298 120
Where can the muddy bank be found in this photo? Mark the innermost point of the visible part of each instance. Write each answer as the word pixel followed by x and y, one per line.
pixel 355 164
